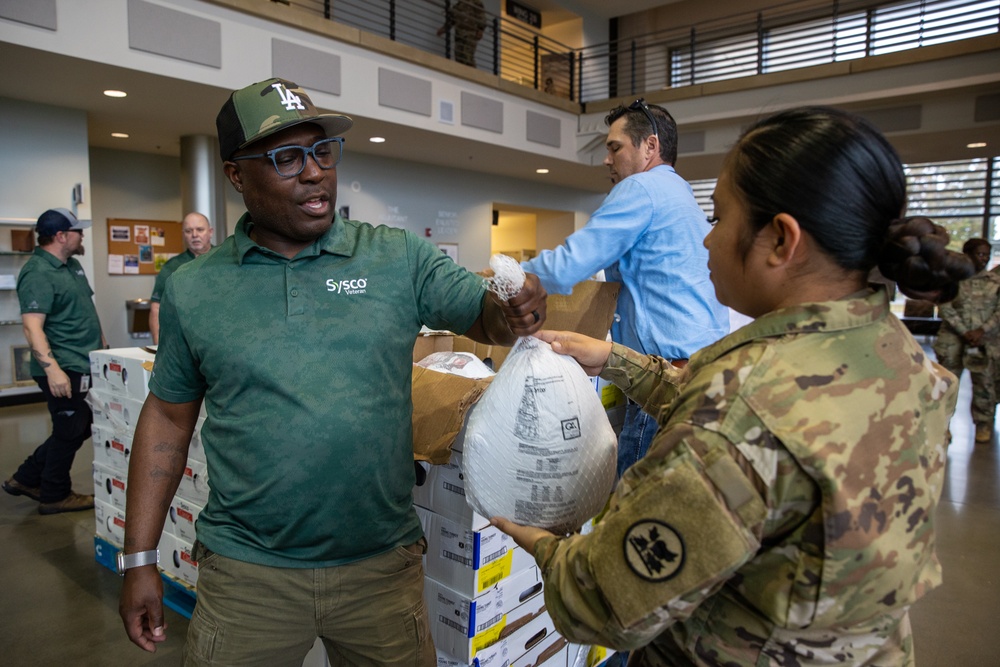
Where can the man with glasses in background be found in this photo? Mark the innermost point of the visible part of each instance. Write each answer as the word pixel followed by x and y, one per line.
pixel 62 328
pixel 297 333
pixel 647 235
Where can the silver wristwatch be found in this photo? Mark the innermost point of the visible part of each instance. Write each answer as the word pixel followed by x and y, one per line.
pixel 128 561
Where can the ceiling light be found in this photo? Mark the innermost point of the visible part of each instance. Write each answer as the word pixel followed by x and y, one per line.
pixel 119 135
pixel 541 171
pixel 115 93
pixel 377 140
pixel 977 144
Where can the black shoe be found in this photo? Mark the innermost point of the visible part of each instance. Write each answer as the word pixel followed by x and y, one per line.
pixel 15 488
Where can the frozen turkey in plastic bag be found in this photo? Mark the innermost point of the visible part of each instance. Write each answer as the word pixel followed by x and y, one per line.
pixel 539 449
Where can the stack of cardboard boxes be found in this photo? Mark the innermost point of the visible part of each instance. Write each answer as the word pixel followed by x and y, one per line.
pixel 120 383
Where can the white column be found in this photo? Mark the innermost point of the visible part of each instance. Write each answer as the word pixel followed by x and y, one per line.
pixel 203 181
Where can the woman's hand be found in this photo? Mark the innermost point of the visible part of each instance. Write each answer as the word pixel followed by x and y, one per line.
pixel 592 354
pixel 525 536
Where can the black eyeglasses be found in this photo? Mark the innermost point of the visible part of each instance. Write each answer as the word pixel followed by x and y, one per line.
pixel 289 161
pixel 640 105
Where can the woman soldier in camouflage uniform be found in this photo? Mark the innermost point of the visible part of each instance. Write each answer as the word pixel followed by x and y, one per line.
pixel 968 335
pixel 784 514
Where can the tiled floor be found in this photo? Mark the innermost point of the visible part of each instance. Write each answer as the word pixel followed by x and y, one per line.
pixel 60 608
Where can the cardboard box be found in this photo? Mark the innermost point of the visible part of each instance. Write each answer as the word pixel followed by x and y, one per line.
pixel 109 523
pixel 110 449
pixel 552 651
pixel 196 452
pixel 109 485
pixel 534 632
pixel 586 655
pixel 194 482
pixel 114 412
pixel 461 625
pixel 122 371
pixel 441 401
pixel 443 492
pixel 176 560
pixel 469 562
pixel 181 519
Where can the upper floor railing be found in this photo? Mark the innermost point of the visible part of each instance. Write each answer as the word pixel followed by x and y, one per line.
pixel 794 34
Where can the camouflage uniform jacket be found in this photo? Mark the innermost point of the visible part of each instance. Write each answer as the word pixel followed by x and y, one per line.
pixel 784 513
pixel 977 305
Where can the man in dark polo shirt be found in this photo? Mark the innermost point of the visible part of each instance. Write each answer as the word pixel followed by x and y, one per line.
pixel 62 327
pixel 297 333
pixel 197 232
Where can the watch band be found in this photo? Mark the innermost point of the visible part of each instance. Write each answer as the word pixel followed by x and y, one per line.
pixel 138 559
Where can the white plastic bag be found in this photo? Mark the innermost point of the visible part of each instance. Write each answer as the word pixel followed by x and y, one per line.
pixel 539 449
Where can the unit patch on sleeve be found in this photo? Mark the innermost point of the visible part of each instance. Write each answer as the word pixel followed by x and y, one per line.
pixel 654 550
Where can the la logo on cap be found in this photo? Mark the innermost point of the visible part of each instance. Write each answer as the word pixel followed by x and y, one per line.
pixel 288 98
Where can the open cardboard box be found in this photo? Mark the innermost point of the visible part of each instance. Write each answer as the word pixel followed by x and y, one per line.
pixel 441 400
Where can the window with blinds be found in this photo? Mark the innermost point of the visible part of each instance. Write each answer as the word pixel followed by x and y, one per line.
pixel 791 44
pixel 962 196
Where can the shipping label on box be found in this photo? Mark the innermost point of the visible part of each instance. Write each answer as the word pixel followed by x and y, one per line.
pixel 181 518
pixel 194 482
pixel 109 523
pixel 443 492
pixel 122 371
pixel 469 562
pixel 109 485
pixel 176 560
pixel 462 625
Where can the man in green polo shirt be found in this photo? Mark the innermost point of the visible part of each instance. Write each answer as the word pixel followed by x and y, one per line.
pixel 197 232
pixel 297 333
pixel 62 327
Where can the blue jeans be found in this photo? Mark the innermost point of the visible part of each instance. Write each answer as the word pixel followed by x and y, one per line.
pixel 637 432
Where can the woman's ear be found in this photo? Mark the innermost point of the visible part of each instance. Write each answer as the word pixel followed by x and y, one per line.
pixel 785 238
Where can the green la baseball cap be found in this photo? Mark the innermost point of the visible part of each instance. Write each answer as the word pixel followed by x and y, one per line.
pixel 263 108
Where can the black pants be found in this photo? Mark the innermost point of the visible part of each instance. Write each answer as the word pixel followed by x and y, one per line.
pixel 48 467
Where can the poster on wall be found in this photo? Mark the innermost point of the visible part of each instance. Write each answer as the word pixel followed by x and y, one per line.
pixel 141 247
pixel 20 356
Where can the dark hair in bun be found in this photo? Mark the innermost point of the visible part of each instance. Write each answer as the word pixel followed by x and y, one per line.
pixel 843 182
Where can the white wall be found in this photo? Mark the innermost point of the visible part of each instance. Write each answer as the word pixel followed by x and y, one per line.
pixel 43 155
pixel 131 185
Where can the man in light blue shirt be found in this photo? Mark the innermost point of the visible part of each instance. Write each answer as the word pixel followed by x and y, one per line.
pixel 648 236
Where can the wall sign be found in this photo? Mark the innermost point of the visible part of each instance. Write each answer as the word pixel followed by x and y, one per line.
pixel 524 13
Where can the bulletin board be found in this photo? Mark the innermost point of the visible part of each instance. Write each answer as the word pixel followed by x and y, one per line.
pixel 141 247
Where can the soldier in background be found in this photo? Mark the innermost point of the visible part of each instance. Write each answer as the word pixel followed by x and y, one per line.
pixel 968 337
pixel 784 513
pixel 469 20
